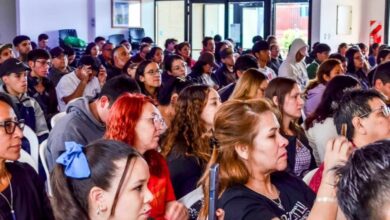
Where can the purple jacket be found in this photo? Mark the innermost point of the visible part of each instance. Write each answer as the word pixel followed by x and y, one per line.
pixel 314 97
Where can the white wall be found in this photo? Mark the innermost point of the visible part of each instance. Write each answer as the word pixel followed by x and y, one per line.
pixel 7 20
pixel 48 16
pixel 329 18
pixel 325 15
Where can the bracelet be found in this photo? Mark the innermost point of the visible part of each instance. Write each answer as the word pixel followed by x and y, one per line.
pixel 326 199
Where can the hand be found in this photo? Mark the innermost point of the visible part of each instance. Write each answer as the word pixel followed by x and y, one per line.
pixel 220 214
pixel 82 74
pixel 176 211
pixel 102 75
pixel 337 152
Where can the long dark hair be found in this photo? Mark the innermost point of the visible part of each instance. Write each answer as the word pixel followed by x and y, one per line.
pixel 324 69
pixel 280 87
pixel 187 127
pixel 70 196
pixel 333 93
pixel 140 72
pixel 350 57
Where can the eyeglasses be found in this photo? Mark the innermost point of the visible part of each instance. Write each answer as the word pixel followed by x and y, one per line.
pixel 385 111
pixel 154 72
pixel 158 121
pixel 43 62
pixel 178 67
pixel 10 126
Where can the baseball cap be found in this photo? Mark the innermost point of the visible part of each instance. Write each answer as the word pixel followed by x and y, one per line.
pixel 259 46
pixel 12 65
pixel 5 46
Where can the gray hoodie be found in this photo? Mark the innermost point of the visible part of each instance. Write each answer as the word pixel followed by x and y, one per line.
pixel 290 68
pixel 78 125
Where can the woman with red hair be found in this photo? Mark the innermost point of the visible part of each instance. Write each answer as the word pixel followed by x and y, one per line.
pixel 135 120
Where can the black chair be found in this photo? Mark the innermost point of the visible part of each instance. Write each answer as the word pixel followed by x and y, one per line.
pixel 135 37
pixel 62 34
pixel 116 39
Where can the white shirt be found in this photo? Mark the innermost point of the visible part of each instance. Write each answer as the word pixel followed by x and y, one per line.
pixel 68 84
pixel 270 73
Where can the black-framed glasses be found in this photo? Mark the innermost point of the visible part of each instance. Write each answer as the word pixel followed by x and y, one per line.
pixel 10 125
pixel 385 111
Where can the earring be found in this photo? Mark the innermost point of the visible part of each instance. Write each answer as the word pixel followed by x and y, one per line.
pixel 98 211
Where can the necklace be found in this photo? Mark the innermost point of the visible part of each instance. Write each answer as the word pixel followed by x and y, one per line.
pixel 10 204
pixel 278 202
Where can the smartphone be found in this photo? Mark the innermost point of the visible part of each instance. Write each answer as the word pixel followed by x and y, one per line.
pixel 344 129
pixel 213 193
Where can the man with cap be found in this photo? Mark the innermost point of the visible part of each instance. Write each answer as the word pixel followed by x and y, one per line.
pixel 225 74
pixel 22 44
pixel 14 75
pixel 263 55
pixel 6 52
pixel 60 65
pixel 321 53
pixel 39 85
pixel 202 71
pixel 81 82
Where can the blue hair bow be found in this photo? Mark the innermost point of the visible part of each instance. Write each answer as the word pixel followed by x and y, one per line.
pixel 74 160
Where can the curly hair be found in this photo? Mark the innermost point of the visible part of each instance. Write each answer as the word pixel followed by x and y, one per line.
pixel 187 125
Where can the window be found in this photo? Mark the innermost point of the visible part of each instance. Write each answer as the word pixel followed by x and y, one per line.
pixel 126 13
pixel 169 23
pixel 291 21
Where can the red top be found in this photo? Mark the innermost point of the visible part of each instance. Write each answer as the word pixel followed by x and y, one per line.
pixel 315 181
pixel 161 188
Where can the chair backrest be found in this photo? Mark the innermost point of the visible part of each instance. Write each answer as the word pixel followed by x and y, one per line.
pixel 116 39
pixel 32 138
pixel 42 155
pixel 27 158
pixel 136 34
pixel 307 178
pixel 56 117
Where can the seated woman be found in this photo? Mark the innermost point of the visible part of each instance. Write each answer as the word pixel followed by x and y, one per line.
pixel 202 71
pixel 148 76
pixel 252 158
pixel 252 84
pixel 22 192
pixel 187 143
pixel 183 49
pixel 319 126
pixel 156 54
pixel 104 180
pixel 286 96
pixel 175 67
pixel 326 71
pixel 134 120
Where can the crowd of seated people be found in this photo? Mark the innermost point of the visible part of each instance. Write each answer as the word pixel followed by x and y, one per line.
pixel 136 131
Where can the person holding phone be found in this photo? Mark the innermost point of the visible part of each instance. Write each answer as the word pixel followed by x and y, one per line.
pixel 83 82
pixel 252 160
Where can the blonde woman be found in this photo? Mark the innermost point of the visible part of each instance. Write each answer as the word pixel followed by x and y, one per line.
pixel 252 84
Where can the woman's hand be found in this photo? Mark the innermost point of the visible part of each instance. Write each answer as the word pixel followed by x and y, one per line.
pixel 176 211
pixel 337 152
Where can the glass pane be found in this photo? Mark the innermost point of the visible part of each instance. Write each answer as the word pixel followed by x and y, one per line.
pixel 207 20
pixel 252 21
pixel 169 23
pixel 292 21
pixel 246 19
